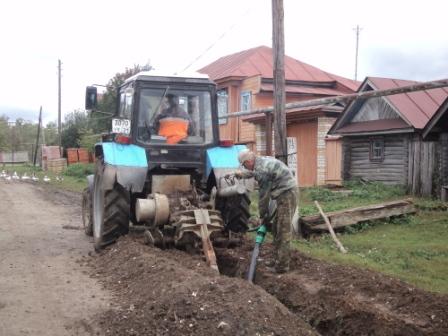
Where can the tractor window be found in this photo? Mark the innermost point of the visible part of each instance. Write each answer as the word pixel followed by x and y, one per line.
pixel 126 102
pixel 173 116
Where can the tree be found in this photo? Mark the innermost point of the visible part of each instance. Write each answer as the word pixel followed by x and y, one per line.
pixel 74 126
pixel 4 133
pixel 50 134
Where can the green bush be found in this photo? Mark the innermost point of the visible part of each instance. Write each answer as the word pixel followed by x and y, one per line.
pixel 80 170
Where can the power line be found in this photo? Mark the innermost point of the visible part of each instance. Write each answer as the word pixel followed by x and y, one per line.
pixel 218 39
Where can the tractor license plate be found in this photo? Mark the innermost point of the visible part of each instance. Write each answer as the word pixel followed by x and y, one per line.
pixel 122 126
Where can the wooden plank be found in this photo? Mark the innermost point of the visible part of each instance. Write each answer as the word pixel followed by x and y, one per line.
pixel 203 219
pixel 328 224
pixel 339 219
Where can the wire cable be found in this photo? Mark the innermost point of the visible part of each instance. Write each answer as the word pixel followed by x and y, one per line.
pixel 217 40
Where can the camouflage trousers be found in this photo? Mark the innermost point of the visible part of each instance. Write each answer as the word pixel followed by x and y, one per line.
pixel 281 229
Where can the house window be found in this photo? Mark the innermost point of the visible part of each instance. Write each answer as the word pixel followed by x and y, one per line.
pixel 245 101
pixel 376 150
pixel 223 103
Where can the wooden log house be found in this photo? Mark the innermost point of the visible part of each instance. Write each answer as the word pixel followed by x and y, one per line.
pixel 400 139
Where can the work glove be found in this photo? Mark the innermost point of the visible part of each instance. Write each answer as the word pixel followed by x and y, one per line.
pixel 238 174
pixel 267 223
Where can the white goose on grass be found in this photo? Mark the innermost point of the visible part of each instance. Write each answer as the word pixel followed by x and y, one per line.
pixel 46 179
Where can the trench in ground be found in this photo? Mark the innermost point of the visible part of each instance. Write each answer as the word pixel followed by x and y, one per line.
pixel 328 310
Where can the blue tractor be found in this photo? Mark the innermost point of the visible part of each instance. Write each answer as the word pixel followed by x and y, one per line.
pixel 163 169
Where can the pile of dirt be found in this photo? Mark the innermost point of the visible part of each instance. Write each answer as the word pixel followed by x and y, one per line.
pixel 174 293
pixel 340 300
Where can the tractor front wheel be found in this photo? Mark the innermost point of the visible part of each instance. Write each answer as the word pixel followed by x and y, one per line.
pixel 87 212
pixel 235 212
pixel 111 209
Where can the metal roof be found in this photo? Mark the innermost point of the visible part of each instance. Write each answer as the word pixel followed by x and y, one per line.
pixel 373 126
pixel 417 107
pixel 297 112
pixel 299 89
pixel 148 75
pixel 258 61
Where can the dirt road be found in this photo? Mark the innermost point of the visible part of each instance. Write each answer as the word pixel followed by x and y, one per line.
pixel 49 285
pixel 43 289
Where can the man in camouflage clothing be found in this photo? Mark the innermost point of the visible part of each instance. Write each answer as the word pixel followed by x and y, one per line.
pixel 275 181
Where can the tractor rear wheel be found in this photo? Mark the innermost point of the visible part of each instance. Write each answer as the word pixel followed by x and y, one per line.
pixel 111 210
pixel 235 211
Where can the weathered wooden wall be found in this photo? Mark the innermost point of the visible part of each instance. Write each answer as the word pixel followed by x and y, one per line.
pixel 442 154
pixel 392 170
pixel 422 166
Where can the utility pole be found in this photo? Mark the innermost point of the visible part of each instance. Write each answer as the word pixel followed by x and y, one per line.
pixel 59 108
pixel 278 49
pixel 37 138
pixel 357 29
pixel 12 125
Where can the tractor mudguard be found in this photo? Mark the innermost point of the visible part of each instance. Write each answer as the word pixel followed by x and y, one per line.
pixel 222 161
pixel 126 164
pixel 90 180
pixel 223 157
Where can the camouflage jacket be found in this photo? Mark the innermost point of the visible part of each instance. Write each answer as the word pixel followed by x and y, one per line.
pixel 273 177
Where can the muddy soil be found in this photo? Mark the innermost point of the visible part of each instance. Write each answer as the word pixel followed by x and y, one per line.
pixel 172 293
pixel 43 289
pixel 52 284
pixel 341 300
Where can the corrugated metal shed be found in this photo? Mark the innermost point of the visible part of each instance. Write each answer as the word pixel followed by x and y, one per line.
pixel 258 61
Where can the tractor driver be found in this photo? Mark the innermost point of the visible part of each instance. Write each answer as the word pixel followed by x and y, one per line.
pixel 173 122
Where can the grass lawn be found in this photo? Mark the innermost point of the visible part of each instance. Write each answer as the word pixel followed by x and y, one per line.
pixel 412 248
pixel 74 177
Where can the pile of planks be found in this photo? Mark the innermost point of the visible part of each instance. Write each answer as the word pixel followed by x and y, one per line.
pixel 343 218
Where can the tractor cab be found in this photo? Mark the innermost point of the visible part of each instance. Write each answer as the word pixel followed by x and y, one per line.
pixel 171 117
pixel 167 110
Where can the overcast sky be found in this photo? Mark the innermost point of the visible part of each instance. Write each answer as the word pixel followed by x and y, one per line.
pixel 96 39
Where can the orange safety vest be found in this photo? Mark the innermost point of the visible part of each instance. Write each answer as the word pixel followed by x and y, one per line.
pixel 173 129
